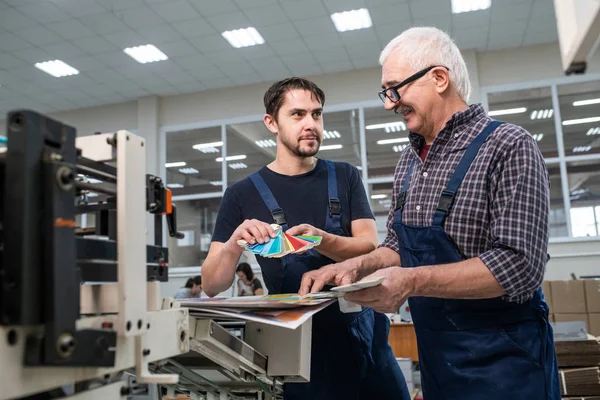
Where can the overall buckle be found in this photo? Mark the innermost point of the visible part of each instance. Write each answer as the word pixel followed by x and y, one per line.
pixel 335 207
pixel 446 200
pixel 279 216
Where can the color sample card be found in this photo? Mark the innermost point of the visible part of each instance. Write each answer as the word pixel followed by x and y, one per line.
pixel 282 245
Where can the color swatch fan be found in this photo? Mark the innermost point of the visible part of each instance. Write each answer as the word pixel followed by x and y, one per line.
pixel 283 244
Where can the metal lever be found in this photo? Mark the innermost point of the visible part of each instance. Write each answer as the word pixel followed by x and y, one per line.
pixel 172 223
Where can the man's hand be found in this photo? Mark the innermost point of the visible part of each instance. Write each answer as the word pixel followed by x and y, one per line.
pixel 305 230
pixel 390 295
pixel 339 274
pixel 252 231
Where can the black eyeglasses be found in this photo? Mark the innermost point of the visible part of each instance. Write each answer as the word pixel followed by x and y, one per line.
pixel 392 92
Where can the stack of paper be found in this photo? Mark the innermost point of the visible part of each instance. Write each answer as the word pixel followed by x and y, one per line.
pixel 282 244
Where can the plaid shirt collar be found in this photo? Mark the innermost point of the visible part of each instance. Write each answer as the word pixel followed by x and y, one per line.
pixel 458 130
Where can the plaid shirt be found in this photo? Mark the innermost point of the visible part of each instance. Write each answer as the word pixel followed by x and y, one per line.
pixel 500 212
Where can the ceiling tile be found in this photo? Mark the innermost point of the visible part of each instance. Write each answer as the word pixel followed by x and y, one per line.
pixel 180 78
pixel 331 55
pixel 514 28
pixel 32 55
pixel 334 6
pixel 504 42
pixel 249 4
pixel 364 62
pixel 358 36
pixel 195 28
pixel 217 83
pixel 236 69
pixel 126 38
pixel 289 46
pixel 229 21
pixel 197 61
pixel 65 51
pixel 206 73
pixel 210 43
pixel 471 35
pixel 44 13
pixel 246 79
pixel 225 56
pixel 113 98
pixel 390 14
pixel 82 8
pixel 178 48
pixel 211 7
pixel 471 42
pixel 118 5
pixel 122 85
pixel 293 61
pixel 275 75
pixel 540 37
pixel 387 32
pixel 364 50
pixel 379 3
pixel 30 73
pixel 426 8
pixel 503 12
pixel 323 42
pixel 315 26
pixel 70 29
pixel 141 17
pixel 306 70
pixel 8 61
pixel 10 42
pixel 177 10
pixel 337 66
pixel 103 24
pixel 254 52
pixel 95 45
pixel 305 9
pixel 543 9
pixel 189 87
pixel 442 22
pixel 11 19
pixel 104 75
pixel 268 64
pixel 86 63
pixel 38 35
pixel 278 32
pixel 470 19
pixel 265 16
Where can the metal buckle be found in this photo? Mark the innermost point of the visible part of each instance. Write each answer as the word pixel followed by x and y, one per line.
pixel 335 207
pixel 279 216
pixel 446 200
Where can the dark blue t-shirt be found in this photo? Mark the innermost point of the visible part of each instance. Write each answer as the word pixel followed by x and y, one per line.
pixel 303 198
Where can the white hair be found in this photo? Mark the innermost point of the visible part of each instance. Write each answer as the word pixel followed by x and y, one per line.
pixel 422 47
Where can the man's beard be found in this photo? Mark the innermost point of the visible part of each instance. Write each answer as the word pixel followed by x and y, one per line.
pixel 298 150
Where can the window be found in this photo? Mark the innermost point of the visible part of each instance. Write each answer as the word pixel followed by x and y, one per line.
pixel 557 219
pixel 191 166
pixel 580 112
pixel 341 137
pixel 584 191
pixel 531 109
pixel 386 135
pixel 250 146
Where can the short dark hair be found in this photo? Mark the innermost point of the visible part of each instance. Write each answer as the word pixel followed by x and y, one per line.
pixel 275 95
pixel 246 269
pixel 197 280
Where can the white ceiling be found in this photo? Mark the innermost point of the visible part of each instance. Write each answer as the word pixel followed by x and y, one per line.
pixel 300 40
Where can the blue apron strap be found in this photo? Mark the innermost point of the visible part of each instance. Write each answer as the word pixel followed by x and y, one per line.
pixel 447 197
pixel 402 195
pixel 269 200
pixel 334 209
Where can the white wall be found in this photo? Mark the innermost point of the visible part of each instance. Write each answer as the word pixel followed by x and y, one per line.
pixel 109 118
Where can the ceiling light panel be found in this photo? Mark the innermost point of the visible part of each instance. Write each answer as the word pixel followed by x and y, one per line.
pixel 238 165
pixel 581 121
pixel 331 147
pixel 461 6
pixel 189 171
pixel 146 54
pixel 581 149
pixel 352 20
pixel 391 141
pixel 538 136
pixel 174 185
pixel 175 164
pixel 389 127
pixel 399 148
pixel 331 135
pixel 586 102
pixel 208 147
pixel 378 196
pixel 56 68
pixel 508 111
pixel 541 114
pixel 593 131
pixel 243 37
pixel 232 158
pixel 265 143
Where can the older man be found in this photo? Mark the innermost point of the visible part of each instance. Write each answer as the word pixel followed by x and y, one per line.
pixel 469 230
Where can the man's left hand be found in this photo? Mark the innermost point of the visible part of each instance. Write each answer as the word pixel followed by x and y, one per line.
pixel 390 295
pixel 304 230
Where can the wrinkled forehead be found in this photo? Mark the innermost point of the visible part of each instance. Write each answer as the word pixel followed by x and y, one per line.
pixel 394 69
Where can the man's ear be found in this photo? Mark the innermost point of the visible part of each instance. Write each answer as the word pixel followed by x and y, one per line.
pixel 441 77
pixel 270 123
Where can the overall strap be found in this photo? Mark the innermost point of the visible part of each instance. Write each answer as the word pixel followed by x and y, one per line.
pixel 269 200
pixel 402 195
pixel 333 219
pixel 448 195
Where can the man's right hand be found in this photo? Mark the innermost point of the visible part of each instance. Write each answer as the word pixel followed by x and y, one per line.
pixel 253 231
pixel 343 273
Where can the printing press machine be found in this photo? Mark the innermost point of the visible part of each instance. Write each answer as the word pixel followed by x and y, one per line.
pixel 81 314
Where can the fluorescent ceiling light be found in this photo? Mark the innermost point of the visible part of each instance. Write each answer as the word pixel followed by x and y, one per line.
pixel 461 6
pixel 593 131
pixel 239 165
pixel 581 121
pixel 507 111
pixel 232 158
pixel 175 164
pixel 243 37
pixel 390 141
pixel 378 196
pixel 352 20
pixel 331 135
pixel 541 114
pixel 586 102
pixel 389 127
pixel 188 171
pixel 56 68
pixel 331 147
pixel 581 149
pixel 538 136
pixel 399 148
pixel 265 143
pixel 208 147
pixel 145 54
pixel 216 183
pixel 174 185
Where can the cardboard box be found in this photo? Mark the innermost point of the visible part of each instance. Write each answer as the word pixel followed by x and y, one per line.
pixel 572 317
pixel 551 318
pixel 592 295
pixel 594 324
pixel 547 294
pixel 568 297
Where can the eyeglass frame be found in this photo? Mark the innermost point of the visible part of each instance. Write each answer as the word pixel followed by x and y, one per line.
pixel 394 89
